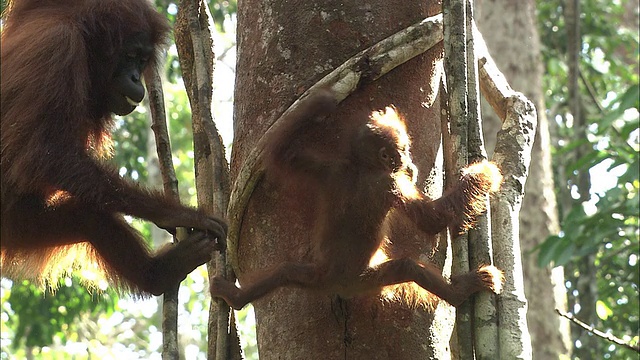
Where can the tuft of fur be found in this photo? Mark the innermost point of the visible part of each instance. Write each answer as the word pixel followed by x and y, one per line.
pixel 408 293
pixel 389 124
pixel 477 182
pixel 46 267
pixel 487 173
pixel 491 277
pixel 411 295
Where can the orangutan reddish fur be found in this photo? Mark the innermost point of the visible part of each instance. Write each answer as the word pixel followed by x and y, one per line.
pixel 61 205
pixel 356 195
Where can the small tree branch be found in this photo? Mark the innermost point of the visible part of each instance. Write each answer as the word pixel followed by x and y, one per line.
pixel 159 126
pixel 597 332
pixel 493 84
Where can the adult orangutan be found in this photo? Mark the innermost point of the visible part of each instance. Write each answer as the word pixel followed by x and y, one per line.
pixel 67 67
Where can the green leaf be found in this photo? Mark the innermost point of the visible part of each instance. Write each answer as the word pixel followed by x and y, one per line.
pixel 556 249
pixel 603 310
pixel 547 250
pixel 630 98
pixel 588 161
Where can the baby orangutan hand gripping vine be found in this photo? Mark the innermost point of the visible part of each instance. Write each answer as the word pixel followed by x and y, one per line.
pixel 67 67
pixel 356 196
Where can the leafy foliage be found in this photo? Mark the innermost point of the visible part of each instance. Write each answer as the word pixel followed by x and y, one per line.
pixel 30 310
pixel 221 11
pixel 604 229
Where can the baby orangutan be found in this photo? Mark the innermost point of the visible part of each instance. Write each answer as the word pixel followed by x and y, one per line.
pixel 355 197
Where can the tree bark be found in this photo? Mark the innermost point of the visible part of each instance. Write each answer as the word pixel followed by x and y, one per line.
pixel 282 51
pixel 509 28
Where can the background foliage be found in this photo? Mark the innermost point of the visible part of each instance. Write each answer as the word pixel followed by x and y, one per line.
pixel 599 242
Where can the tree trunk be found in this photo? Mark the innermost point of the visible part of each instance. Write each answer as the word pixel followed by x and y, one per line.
pixel 509 28
pixel 283 49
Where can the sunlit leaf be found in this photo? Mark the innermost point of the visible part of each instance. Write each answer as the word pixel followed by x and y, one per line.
pixel 603 310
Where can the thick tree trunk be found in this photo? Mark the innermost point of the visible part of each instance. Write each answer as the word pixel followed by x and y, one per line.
pixel 283 48
pixel 509 28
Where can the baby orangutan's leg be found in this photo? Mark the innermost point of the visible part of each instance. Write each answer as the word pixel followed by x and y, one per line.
pixel 287 274
pixel 428 277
